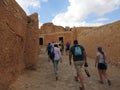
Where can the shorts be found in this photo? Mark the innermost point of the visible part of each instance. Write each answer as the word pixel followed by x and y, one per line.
pixel 102 66
pixel 79 65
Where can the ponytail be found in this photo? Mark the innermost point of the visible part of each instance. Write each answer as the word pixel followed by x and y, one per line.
pixel 103 54
pixel 100 50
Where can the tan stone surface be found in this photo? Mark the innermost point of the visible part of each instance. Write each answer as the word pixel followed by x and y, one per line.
pixel 43 78
pixel 19 41
pixel 32 42
pixel 107 36
pixel 51 33
pixel 15 33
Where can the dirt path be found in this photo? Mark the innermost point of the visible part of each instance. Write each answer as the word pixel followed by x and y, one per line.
pixel 43 78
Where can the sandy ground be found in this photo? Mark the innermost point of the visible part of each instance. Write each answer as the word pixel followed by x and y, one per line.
pixel 43 77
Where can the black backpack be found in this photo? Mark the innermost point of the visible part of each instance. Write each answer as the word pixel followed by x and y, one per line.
pixel 52 55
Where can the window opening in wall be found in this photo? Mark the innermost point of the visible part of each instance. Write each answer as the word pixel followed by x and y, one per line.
pixel 41 41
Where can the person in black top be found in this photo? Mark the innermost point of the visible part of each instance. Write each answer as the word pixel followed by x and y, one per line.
pixel 79 59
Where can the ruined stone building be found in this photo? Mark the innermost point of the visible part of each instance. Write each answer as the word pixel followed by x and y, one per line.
pixel 20 40
pixel 52 33
pixel 107 36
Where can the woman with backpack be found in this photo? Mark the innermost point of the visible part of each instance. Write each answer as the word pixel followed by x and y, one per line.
pixel 101 65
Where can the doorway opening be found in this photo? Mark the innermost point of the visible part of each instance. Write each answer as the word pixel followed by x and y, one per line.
pixel 61 39
pixel 41 41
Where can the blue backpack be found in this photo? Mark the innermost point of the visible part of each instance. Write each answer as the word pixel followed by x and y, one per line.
pixel 78 51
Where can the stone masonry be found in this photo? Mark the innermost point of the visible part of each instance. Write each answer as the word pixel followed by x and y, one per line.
pixel 107 36
pixel 20 39
pixel 18 42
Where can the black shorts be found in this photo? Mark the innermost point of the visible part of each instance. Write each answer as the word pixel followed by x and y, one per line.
pixel 102 66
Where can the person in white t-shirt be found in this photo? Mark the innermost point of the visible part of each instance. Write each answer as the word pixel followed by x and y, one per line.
pixel 101 65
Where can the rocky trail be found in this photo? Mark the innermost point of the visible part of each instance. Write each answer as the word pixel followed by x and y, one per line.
pixel 43 77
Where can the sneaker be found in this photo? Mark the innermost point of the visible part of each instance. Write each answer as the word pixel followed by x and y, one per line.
pixel 56 78
pixel 81 88
pixel 101 82
pixel 109 82
pixel 76 78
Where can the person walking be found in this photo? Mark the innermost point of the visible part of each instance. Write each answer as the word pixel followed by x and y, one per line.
pixel 48 49
pixel 67 47
pixel 57 58
pixel 79 59
pixel 101 64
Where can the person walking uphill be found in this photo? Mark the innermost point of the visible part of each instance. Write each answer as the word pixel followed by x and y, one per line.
pixel 79 59
pixel 56 60
pixel 101 65
pixel 48 49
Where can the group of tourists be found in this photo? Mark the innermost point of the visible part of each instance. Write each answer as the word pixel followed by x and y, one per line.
pixel 55 51
pixel 77 53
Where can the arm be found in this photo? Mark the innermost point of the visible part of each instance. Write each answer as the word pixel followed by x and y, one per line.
pixel 96 60
pixel 70 56
pixel 60 55
pixel 46 48
pixel 85 56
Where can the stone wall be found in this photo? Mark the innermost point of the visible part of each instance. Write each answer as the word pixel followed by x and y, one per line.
pixel 52 33
pixel 107 36
pixel 32 42
pixel 18 40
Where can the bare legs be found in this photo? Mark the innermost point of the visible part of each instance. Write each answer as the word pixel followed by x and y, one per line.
pixel 100 76
pixel 103 73
pixel 56 69
pixel 81 78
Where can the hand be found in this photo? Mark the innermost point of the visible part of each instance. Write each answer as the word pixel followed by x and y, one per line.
pixel 60 61
pixel 86 64
pixel 95 65
pixel 70 63
pixel 48 60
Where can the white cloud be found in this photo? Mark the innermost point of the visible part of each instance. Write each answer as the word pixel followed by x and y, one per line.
pixel 101 19
pixel 44 0
pixel 25 4
pixel 40 24
pixel 90 24
pixel 80 9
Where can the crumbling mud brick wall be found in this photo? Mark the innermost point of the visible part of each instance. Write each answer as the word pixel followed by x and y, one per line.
pixel 107 36
pixel 18 40
pixel 32 42
pixel 51 33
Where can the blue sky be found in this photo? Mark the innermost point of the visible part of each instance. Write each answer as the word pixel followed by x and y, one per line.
pixel 73 12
